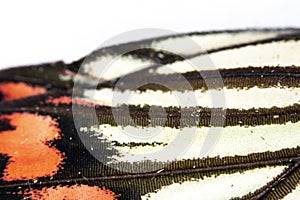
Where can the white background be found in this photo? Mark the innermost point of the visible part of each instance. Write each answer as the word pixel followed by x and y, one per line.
pixel 34 31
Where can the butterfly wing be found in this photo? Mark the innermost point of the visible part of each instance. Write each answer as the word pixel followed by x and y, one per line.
pixel 45 155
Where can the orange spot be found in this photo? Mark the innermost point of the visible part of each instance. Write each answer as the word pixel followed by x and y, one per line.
pixel 69 100
pixel 76 192
pixel 60 100
pixel 11 91
pixel 30 156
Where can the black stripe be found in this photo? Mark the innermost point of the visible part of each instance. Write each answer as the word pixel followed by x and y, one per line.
pixel 262 77
pixel 175 116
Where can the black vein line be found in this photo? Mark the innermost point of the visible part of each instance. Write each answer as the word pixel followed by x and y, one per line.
pixel 163 173
pixel 279 179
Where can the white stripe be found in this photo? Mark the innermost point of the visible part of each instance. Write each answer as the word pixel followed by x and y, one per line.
pixel 243 140
pixel 109 67
pixel 213 41
pixel 224 186
pixel 126 64
pixel 281 53
pixel 234 98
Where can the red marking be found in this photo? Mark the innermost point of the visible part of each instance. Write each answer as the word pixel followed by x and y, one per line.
pixel 69 100
pixel 72 193
pixel 30 156
pixel 11 91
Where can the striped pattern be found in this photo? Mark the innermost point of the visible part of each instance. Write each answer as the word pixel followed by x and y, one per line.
pixel 221 187
pixel 257 77
pixel 293 195
pixel 256 155
pixel 277 53
pixel 250 139
pixel 189 45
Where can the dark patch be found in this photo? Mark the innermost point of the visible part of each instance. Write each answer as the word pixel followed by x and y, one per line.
pixel 3 162
pixel 5 125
